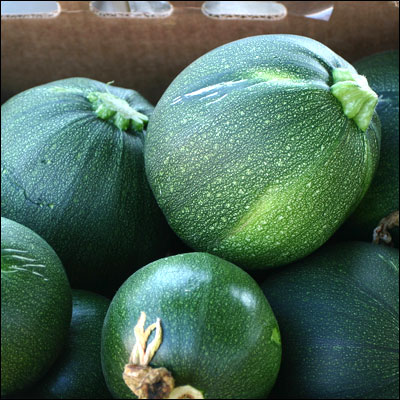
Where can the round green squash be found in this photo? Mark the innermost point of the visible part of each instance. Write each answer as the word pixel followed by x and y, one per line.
pixel 382 198
pixel 77 374
pixel 73 171
pixel 219 334
pixel 35 307
pixel 338 311
pixel 260 149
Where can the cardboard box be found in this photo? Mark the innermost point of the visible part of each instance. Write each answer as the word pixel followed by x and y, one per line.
pixel 144 51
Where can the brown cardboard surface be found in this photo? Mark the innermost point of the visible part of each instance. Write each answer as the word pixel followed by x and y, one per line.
pixel 147 53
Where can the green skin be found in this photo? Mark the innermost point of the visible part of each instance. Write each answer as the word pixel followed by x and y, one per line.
pixel 219 333
pixel 35 307
pixel 250 155
pixel 339 320
pixel 78 180
pixel 382 198
pixel 77 374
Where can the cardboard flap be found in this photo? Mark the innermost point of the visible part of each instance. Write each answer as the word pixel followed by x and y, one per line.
pixel 66 6
pixel 145 53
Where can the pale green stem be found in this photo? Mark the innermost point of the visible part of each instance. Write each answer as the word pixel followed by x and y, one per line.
pixel 356 97
pixel 112 108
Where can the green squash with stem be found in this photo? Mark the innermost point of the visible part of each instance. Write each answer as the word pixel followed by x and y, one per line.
pixel 260 149
pixel 73 171
pixel 211 332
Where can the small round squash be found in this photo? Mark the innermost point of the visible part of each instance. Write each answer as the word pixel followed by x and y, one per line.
pixel 198 321
pixel 338 311
pixel 73 171
pixel 35 307
pixel 77 374
pixel 260 149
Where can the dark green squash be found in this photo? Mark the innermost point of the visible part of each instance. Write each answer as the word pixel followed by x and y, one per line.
pixel 382 198
pixel 219 334
pixel 77 374
pixel 35 307
pixel 73 170
pixel 338 311
pixel 260 149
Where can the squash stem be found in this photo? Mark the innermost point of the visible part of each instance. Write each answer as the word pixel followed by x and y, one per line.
pixel 118 111
pixel 356 97
pixel 381 232
pixel 144 381
pixel 186 392
pixel 147 382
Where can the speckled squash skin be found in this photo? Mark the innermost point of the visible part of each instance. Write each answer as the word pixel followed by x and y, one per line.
pixel 382 198
pixel 338 311
pixel 79 182
pixel 219 332
pixel 251 157
pixel 35 307
pixel 77 374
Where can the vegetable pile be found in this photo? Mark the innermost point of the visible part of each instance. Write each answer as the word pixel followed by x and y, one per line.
pixel 257 154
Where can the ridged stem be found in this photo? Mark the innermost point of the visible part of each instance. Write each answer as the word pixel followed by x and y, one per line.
pixel 110 107
pixel 357 98
pixel 147 382
pixel 381 232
